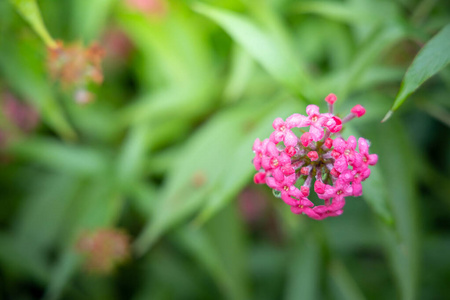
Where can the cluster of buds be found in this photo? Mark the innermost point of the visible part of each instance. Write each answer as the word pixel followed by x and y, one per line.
pixel 104 249
pixel 76 67
pixel 320 158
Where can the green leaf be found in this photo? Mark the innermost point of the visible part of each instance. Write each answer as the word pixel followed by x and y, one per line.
pixel 304 271
pixel 374 189
pixel 345 283
pixel 63 157
pixel 29 10
pixel 221 253
pixel 48 198
pixel 98 206
pixel 402 241
pixel 432 58
pixel 353 12
pixel 241 169
pixel 201 175
pixel 17 256
pixel 89 17
pixel 366 58
pixel 177 45
pixel 376 196
pixel 25 74
pixel 242 68
pixel 64 270
pixel 266 48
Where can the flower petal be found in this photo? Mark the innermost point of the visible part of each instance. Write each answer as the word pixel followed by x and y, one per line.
pixel 312 110
pixel 316 132
pixel 290 139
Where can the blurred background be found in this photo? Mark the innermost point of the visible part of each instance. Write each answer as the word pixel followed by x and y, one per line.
pixel 133 180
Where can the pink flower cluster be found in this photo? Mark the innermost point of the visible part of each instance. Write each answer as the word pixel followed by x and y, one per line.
pixel 320 157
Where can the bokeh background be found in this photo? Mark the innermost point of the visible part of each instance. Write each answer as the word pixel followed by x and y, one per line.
pixel 146 191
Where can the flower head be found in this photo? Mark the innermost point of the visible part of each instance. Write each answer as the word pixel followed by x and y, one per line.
pixel 104 249
pixel 320 157
pixel 76 66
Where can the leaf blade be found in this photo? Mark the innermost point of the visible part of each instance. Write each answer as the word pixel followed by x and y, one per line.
pixel 432 58
pixel 265 48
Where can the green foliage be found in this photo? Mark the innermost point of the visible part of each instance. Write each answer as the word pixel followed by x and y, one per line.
pixel 164 150
pixel 433 57
pixel 30 12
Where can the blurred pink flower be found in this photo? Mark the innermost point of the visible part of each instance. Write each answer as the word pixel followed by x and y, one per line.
pixel 104 249
pixel 76 66
pixel 19 114
pixel 117 45
pixel 152 7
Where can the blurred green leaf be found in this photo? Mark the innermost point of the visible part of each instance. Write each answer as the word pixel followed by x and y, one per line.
pixel 177 44
pixel 279 60
pixel 304 271
pixel 346 285
pixel 432 58
pixel 374 189
pixel 353 12
pixel 205 177
pixel 376 196
pixel 177 102
pixel 25 73
pixel 130 161
pixel 401 242
pixel 18 257
pixel 29 10
pixel 63 271
pixel 242 67
pixel 220 252
pixel 89 17
pixel 366 58
pixel 241 169
pixel 48 198
pixel 63 157
pixel 98 207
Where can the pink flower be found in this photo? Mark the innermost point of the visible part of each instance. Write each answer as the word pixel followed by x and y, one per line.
pixel 315 121
pixel 260 178
pixel 348 156
pixel 334 124
pixel 306 139
pixel 283 133
pixel 320 157
pixel 259 148
pixel 367 158
pixel 338 191
pixel 273 158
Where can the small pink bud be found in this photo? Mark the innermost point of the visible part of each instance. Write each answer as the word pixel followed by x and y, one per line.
pixel 260 178
pixel 331 98
pixel 335 154
pixel 337 125
pixel 335 173
pixel 319 187
pixel 358 110
pixel 313 156
pixel 304 170
pixel 305 191
pixel 328 143
pixel 306 139
pixel 287 170
pixel 290 151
